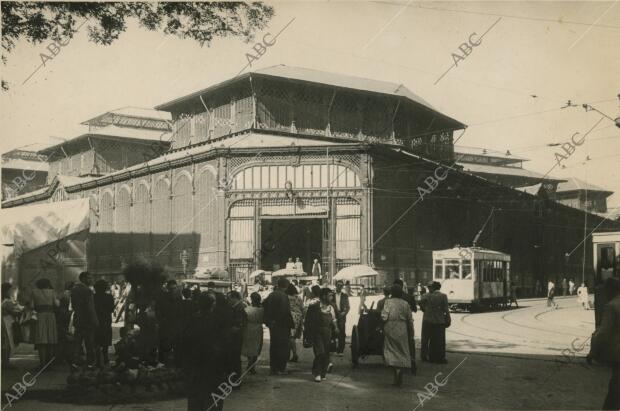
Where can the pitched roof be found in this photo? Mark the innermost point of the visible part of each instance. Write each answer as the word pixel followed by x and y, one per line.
pixel 21 164
pixel 341 80
pixel 117 132
pixel 575 184
pixel 507 171
pixel 136 112
pixel 486 152
pixel 323 78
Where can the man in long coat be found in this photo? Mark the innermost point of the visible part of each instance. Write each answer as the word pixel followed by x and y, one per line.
pixel 280 321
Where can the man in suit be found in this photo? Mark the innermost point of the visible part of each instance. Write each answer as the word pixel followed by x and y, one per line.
pixel 437 319
pixel 605 345
pixel 278 318
pixel 84 317
pixel 342 309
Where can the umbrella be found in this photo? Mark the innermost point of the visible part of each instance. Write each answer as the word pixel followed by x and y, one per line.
pixel 257 273
pixel 289 272
pixel 355 271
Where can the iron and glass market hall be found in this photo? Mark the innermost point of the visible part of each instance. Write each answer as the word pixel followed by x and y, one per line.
pixel 289 162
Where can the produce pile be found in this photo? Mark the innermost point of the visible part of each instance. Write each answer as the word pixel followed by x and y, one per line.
pixel 117 386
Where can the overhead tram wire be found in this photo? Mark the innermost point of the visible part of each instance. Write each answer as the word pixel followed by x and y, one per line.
pixel 516 150
pixel 530 114
pixel 512 16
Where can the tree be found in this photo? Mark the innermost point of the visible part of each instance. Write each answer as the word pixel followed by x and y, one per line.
pixel 39 21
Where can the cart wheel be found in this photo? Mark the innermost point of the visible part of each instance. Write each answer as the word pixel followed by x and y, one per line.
pixel 355 347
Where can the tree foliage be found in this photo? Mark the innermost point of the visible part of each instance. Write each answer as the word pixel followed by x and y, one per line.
pixel 105 21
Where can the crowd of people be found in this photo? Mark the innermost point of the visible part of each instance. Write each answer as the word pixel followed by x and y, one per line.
pixel 59 326
pixel 208 334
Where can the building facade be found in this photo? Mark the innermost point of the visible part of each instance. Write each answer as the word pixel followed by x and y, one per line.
pixel 290 162
pixel 582 195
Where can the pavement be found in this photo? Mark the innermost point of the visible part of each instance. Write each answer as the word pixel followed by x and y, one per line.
pixel 530 358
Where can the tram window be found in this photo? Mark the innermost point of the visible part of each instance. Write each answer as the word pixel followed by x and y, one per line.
pixel 467 274
pixel 438 272
pixel 452 269
pixel 485 270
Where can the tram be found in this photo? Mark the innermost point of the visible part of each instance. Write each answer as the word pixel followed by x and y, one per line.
pixel 606 261
pixel 473 277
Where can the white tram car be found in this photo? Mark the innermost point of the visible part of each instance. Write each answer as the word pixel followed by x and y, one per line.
pixel 473 277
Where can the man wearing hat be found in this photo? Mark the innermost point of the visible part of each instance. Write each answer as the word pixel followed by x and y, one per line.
pixel 434 323
pixel 425 325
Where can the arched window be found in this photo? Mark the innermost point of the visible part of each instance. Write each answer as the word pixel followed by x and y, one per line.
pixel 182 246
pixel 182 218
pixel 161 207
pixel 141 219
pixel 122 212
pixel 122 224
pixel 205 215
pixel 106 211
pixel 161 227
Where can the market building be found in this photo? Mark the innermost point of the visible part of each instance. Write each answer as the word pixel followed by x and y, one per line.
pixel 289 162
pixel 583 195
pixel 23 171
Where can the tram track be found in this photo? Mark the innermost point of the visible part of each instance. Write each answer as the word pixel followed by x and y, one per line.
pixel 539 342
pixel 547 347
pixel 540 329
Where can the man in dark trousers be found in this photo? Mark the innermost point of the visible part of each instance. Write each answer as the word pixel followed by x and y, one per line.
pixel 425 324
pixel 605 344
pixel 437 319
pixel 85 317
pixel 342 309
pixel 278 318
pixel 239 321
pixel 168 319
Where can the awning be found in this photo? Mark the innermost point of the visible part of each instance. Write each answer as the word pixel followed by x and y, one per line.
pixel 29 227
pixel 355 271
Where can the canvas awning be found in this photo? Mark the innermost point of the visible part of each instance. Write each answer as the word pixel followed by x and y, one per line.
pixel 28 227
pixel 355 271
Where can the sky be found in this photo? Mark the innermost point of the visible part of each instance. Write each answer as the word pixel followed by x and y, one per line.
pixel 509 90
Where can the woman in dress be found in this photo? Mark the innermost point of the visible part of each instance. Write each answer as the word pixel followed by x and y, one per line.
pixel 297 312
pixel 44 302
pixel 253 332
pixel 582 296
pixel 397 329
pixel 320 319
pixel 10 311
pixel 104 307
